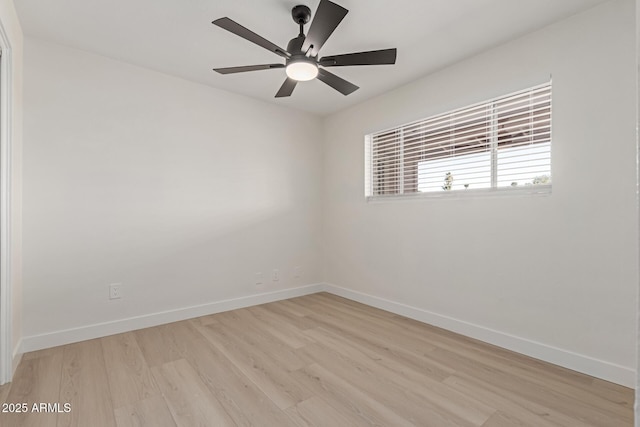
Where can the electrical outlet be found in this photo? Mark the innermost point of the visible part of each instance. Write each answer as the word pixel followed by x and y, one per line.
pixel 297 272
pixel 275 275
pixel 259 279
pixel 115 291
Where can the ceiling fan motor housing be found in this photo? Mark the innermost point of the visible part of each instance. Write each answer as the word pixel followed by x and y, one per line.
pixel 295 45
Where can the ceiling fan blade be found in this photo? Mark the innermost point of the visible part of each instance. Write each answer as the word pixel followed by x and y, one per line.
pixel 328 17
pixel 339 84
pixel 287 88
pixel 232 70
pixel 373 57
pixel 247 34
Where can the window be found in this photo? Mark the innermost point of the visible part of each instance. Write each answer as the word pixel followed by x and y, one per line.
pixel 501 143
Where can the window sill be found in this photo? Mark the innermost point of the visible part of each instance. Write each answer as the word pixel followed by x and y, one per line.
pixel 532 190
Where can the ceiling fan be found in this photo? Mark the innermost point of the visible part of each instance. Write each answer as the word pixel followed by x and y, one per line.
pixel 301 55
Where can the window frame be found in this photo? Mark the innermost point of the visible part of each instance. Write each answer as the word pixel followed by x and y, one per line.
pixel 494 190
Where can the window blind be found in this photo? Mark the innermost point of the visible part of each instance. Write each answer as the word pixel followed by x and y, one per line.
pixel 503 142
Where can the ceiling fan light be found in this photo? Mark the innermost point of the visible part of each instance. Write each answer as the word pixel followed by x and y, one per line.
pixel 302 71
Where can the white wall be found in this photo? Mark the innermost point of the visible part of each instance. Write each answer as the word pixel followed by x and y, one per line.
pixel 555 277
pixel 11 26
pixel 178 191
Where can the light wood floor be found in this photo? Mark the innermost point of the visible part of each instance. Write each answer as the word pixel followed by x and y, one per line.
pixel 318 360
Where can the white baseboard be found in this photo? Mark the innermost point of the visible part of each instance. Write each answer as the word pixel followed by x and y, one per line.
pixel 98 330
pixel 578 362
pixel 598 368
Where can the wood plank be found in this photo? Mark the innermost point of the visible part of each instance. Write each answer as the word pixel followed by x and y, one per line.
pixel 610 391
pixel 503 420
pixel 4 392
pixel 284 314
pixel 380 330
pixel 528 412
pixel 165 343
pixel 416 396
pixel 545 395
pixel 285 332
pixel 130 379
pixel 151 412
pixel 558 379
pixel 85 385
pixel 557 411
pixel 256 337
pixel 350 399
pixel 316 412
pixel 42 353
pixel 293 308
pixel 36 380
pixel 457 343
pixel 190 401
pixel 265 372
pixel 385 346
pixel 245 403
pixel 352 307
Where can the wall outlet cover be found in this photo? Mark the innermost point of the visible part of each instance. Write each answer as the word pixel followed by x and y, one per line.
pixel 115 291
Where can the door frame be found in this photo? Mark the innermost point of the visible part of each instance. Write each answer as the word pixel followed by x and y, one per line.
pixel 6 133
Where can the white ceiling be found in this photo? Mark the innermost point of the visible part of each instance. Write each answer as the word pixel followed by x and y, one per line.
pixel 176 37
